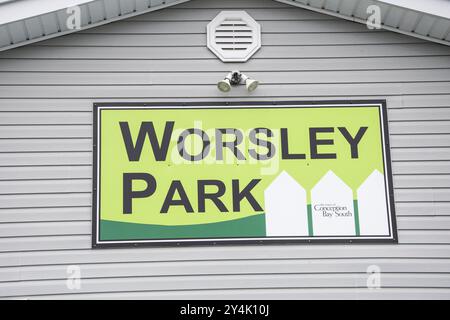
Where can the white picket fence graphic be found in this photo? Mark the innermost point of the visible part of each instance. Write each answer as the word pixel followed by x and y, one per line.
pixel 373 214
pixel 285 207
pixel 332 207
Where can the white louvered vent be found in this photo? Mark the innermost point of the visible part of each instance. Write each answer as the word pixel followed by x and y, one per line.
pixel 234 36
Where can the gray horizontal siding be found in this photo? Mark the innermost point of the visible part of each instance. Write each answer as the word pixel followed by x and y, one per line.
pixel 272 293
pixel 223 282
pixel 206 65
pixel 46 96
pixel 268 78
pixel 164 91
pixel 200 52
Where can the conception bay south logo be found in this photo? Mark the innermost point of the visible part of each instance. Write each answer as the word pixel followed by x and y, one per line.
pixel 212 173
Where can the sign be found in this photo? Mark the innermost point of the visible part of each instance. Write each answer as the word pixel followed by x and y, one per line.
pixel 241 172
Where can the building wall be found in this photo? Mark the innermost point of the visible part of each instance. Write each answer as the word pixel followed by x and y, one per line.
pixel 46 96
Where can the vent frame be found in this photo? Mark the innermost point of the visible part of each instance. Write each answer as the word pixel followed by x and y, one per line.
pixel 234 36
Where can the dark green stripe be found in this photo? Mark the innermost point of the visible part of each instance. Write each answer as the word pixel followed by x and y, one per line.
pixel 253 226
pixel 310 221
pixel 355 206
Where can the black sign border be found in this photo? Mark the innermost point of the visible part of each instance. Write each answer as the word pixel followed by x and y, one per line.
pixel 250 241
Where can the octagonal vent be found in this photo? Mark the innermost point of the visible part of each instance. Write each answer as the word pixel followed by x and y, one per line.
pixel 234 36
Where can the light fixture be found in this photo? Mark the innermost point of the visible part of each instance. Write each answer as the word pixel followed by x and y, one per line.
pixel 225 84
pixel 235 78
pixel 251 84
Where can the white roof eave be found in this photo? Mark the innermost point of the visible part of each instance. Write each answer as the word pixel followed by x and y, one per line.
pixel 14 15
pixel 439 8
pixel 17 10
pixel 14 31
pixel 437 11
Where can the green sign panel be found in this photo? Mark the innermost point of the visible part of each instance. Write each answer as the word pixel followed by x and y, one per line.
pixel 259 172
